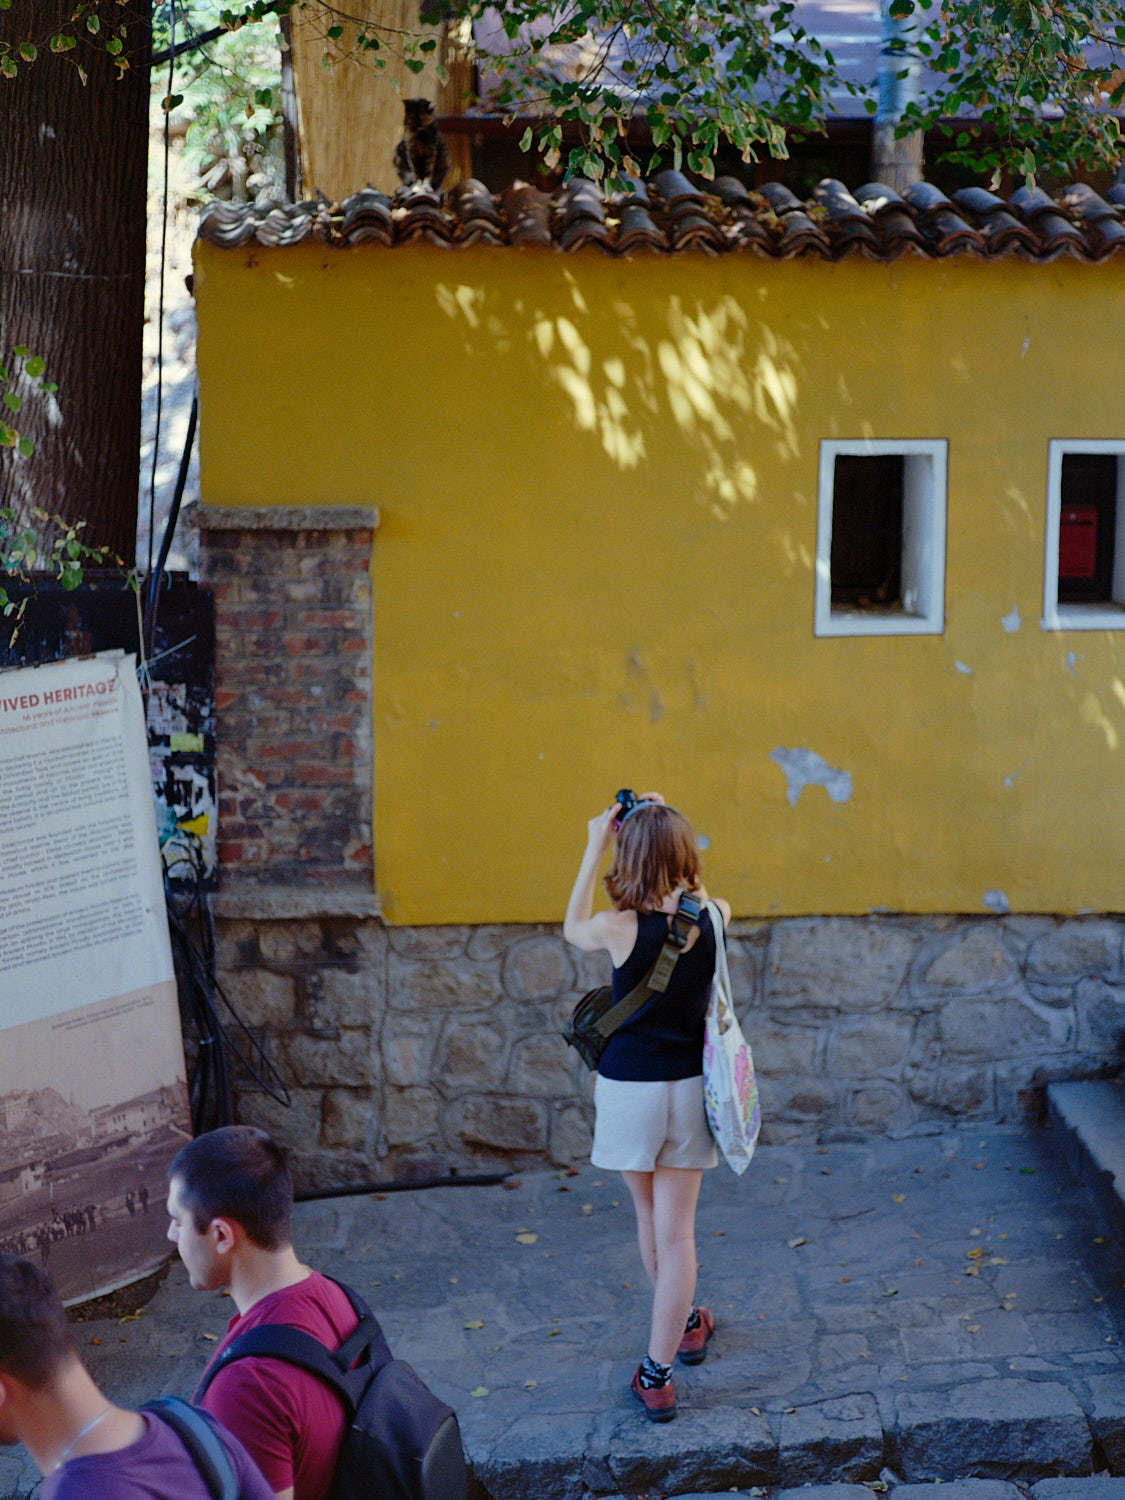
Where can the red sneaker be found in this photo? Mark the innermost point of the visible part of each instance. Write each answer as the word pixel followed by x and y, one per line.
pixel 693 1345
pixel 659 1403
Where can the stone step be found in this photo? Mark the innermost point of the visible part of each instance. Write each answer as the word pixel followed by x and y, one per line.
pixel 1089 1123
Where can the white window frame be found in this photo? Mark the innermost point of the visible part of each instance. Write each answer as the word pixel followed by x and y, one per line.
pixel 1099 614
pixel 923 539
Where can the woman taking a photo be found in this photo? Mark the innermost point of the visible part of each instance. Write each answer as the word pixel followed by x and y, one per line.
pixel 648 1095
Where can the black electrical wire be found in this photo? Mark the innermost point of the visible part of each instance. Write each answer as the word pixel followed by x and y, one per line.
pixel 191 924
pixel 479 1179
pixel 160 306
pixel 169 531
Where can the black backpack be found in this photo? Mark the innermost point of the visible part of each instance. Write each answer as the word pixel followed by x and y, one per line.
pixel 401 1442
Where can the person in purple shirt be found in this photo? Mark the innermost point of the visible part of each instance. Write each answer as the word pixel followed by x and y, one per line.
pixel 85 1447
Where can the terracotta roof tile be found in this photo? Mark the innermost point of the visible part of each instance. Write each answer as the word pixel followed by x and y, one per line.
pixel 1001 229
pixel 670 216
pixel 367 217
pixel 479 221
pixel 1097 218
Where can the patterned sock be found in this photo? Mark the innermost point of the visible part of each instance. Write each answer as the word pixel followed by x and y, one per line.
pixel 694 1321
pixel 654 1374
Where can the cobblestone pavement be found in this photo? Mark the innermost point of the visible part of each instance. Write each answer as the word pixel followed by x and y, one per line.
pixel 934 1308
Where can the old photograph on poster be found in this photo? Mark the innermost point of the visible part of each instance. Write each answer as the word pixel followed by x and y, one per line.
pixel 93 1101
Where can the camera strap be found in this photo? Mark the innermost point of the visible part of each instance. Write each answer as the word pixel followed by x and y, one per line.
pixel 656 980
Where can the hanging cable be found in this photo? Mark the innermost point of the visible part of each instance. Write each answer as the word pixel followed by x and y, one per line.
pixel 160 306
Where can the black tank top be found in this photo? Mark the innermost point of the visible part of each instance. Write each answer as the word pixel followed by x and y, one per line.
pixel 664 1040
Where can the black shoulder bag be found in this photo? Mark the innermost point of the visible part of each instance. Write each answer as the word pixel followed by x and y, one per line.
pixel 597 1016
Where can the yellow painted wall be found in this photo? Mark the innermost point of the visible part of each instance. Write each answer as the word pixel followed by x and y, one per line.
pixel 597 482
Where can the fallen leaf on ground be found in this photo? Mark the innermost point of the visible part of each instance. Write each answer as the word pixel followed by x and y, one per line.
pixel 587 1209
pixel 530 1385
pixel 794 1243
pixel 898 1197
pixel 553 1333
pixel 718 1233
pixel 973 1328
pixel 480 1390
pixel 476 1323
pixel 525 1237
pixel 212 1338
pixel 509 1183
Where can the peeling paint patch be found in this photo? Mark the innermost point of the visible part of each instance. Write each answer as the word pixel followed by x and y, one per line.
pixel 1012 622
pixel 1011 780
pixel 703 841
pixel 804 768
pixel 961 667
pixel 996 901
pixel 1071 659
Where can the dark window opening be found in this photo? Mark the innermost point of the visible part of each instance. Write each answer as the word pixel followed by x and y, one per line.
pixel 866 559
pixel 1087 527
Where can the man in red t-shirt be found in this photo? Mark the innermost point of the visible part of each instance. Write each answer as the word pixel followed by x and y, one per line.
pixel 230 1203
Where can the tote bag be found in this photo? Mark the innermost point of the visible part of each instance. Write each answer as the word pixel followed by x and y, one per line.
pixel 730 1091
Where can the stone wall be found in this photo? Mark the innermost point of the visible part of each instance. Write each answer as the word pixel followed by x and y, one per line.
pixel 419 1052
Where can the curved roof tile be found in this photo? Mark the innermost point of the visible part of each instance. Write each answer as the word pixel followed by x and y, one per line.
pixel 668 215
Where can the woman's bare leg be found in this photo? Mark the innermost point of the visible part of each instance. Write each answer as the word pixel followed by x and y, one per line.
pixel 674 1193
pixel 640 1190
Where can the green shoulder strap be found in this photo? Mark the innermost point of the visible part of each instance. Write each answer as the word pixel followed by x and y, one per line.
pixel 656 980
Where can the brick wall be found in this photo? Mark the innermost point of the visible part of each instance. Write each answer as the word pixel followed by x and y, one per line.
pixel 292 693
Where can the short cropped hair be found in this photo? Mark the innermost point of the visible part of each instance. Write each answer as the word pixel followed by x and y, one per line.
pixel 35 1336
pixel 654 854
pixel 238 1173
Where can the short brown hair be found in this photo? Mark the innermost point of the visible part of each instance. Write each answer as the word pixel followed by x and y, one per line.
pixel 654 854
pixel 237 1173
pixel 35 1336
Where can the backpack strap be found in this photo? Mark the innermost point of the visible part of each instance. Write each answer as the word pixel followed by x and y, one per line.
pixel 656 980
pixel 197 1433
pixel 346 1369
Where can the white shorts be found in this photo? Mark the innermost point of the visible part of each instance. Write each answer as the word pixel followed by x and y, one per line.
pixel 639 1126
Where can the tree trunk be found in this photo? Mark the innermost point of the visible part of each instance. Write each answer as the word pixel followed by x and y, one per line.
pixel 351 113
pixel 73 184
pixel 895 163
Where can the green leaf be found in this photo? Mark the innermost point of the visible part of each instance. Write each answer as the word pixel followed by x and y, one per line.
pixel 8 67
pixel 25 447
pixel 335 33
pixel 29 51
pixel 526 139
pixel 12 401
pixel 93 25
pixel 414 64
pixel 35 366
